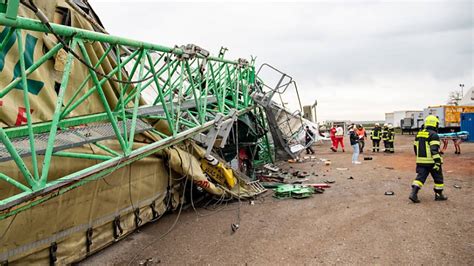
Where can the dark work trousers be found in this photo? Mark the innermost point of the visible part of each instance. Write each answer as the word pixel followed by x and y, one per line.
pixel 309 149
pixel 375 145
pixel 391 148
pixel 386 145
pixel 361 145
pixel 424 170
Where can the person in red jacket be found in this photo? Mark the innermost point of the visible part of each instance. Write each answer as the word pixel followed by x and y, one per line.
pixel 332 135
pixel 339 138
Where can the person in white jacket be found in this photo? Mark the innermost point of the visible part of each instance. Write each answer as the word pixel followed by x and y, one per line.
pixel 339 138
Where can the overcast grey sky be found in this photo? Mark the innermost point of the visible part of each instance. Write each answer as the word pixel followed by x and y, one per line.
pixel 359 59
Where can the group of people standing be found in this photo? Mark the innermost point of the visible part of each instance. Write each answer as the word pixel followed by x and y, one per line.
pixel 426 147
pixel 358 136
pixel 386 134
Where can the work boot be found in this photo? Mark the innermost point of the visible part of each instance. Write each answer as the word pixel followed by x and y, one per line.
pixel 439 195
pixel 414 194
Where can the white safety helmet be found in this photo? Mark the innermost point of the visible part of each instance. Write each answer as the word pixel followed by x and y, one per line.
pixel 385 125
pixel 390 126
pixel 377 124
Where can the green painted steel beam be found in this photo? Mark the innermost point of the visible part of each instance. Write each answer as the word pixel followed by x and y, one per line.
pixel 160 96
pixel 82 155
pixel 56 116
pixel 112 118
pixel 136 103
pixel 93 89
pixel 7 38
pixel 86 80
pixel 42 127
pixel 107 149
pixel 17 159
pixel 26 102
pixel 15 183
pixel 12 9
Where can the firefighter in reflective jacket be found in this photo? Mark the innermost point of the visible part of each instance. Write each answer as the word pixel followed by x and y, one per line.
pixel 428 159
pixel 384 137
pixel 391 139
pixel 375 136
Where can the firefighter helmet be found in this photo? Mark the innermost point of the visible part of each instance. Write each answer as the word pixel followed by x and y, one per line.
pixel 431 121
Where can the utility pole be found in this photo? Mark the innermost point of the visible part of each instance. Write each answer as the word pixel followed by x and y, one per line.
pixel 462 90
pixel 315 113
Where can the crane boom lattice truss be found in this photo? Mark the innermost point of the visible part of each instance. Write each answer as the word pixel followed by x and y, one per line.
pixel 184 86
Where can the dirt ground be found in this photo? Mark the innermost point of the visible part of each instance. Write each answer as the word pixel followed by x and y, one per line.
pixel 353 222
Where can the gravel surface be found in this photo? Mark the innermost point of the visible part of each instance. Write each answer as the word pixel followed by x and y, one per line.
pixel 353 222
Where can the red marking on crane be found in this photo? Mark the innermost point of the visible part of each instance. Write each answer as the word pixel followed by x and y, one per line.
pixel 203 184
pixel 21 117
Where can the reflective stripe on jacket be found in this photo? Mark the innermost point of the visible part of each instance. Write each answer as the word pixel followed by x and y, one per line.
pixel 384 133
pixel 376 133
pixel 426 147
pixel 391 135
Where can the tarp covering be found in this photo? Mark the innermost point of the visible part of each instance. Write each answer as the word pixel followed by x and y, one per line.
pixel 65 218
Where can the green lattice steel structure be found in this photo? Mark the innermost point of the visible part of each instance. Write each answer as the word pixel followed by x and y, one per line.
pixel 191 89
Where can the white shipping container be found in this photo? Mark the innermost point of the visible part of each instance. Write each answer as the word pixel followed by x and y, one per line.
pixel 418 118
pixel 436 111
pixel 389 118
pixel 397 117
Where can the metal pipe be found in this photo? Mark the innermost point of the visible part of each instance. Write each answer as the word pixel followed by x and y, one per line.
pixel 82 155
pixel 14 182
pixel 26 101
pixel 107 149
pixel 92 90
pixel 101 93
pixel 56 116
pixel 160 95
pixel 136 104
pixel 17 159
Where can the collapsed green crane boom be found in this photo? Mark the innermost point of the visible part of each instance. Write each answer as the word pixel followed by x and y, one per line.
pixel 189 89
